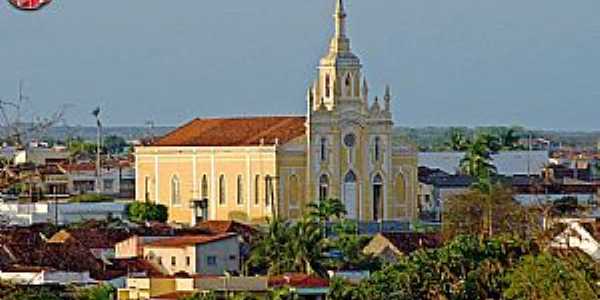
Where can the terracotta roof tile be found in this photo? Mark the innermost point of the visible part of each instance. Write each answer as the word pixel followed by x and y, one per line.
pixel 184 241
pixel 298 281
pixel 235 132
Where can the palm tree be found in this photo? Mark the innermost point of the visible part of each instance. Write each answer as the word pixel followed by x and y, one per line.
pixel 458 140
pixel 478 163
pixel 307 247
pixel 324 211
pixel 270 253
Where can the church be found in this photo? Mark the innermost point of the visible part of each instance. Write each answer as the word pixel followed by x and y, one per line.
pixel 250 169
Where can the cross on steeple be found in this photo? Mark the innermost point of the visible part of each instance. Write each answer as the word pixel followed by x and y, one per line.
pixel 340 43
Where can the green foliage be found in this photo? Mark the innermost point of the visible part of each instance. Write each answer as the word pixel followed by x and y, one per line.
pixel 9 291
pixel 547 277
pixel 302 246
pixel 147 211
pixel 101 292
pixel 91 198
pixel 463 269
pixel 78 147
pixel 115 144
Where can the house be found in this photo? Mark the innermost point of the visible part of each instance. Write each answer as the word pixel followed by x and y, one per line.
pixel 196 254
pixel 41 156
pixel 578 233
pixel 435 187
pixel 116 178
pixel 389 247
pixel 177 287
pixel 253 168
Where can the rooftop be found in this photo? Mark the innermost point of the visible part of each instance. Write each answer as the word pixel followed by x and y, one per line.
pixel 184 241
pixel 250 131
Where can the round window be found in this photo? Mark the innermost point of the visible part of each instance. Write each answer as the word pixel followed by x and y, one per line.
pixel 350 140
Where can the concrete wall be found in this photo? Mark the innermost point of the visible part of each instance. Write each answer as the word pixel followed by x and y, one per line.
pixel 227 253
pixel 42 212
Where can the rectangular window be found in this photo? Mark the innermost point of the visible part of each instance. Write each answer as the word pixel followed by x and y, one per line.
pixel 211 260
pixel 188 261
pixel 108 184
pixel 173 261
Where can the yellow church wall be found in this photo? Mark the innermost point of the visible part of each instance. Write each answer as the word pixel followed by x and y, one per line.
pixel 190 164
pixel 291 170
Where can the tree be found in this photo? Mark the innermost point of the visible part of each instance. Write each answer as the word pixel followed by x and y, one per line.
pixel 324 211
pixel 547 277
pixel 114 144
pixel 458 140
pixel 100 292
pixel 15 130
pixel 478 163
pixel 465 213
pixel 147 211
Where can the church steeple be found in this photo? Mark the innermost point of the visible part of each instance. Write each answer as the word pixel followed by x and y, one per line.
pixel 340 43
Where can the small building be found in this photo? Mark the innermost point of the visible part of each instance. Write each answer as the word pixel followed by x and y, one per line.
pixel 196 254
pixel 41 156
pixel 62 213
pixel 259 287
pixel 389 247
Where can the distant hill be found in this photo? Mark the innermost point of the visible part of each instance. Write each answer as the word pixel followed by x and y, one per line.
pixel 89 133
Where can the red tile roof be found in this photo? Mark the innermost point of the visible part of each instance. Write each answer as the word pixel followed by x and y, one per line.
pixel 298 281
pixel 236 132
pixel 219 227
pixel 184 241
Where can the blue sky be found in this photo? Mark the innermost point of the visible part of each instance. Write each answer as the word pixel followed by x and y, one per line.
pixel 534 63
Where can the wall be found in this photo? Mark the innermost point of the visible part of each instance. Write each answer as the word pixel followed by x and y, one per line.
pixel 223 251
pixel 165 255
pixel 190 164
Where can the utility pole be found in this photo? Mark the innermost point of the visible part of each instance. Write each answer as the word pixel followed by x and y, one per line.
pixel 96 114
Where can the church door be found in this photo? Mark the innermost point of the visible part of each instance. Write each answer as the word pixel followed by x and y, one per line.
pixel 350 195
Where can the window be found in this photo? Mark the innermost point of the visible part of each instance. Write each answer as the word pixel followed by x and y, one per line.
pixel 108 184
pixel 377 197
pixel 146 188
pixel 327 86
pixel 257 189
pixel 188 261
pixel 377 148
pixel 175 191
pixel 323 187
pixel 323 149
pixel 240 190
pixel 204 187
pixel 173 261
pixel 222 188
pixel 159 260
pixel 211 260
pixel 269 190
pixel 232 257
pixel 348 83
pixel 293 191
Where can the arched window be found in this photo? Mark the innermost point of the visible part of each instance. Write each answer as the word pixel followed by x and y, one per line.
pixel 240 190
pixel 323 150
pixel 377 148
pixel 175 191
pixel 377 197
pixel 293 190
pixel 222 190
pixel 327 86
pixel 257 190
pixel 323 187
pixel 348 84
pixel 350 195
pixel 204 187
pixel 269 190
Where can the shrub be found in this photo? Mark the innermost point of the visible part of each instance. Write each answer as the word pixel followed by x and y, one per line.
pixel 91 198
pixel 145 211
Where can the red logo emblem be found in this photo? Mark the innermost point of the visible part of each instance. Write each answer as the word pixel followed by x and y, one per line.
pixel 29 4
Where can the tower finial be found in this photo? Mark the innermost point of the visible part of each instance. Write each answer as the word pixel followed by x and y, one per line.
pixel 340 19
pixel 387 98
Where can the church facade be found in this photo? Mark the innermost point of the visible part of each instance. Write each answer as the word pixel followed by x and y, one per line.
pixel 250 169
